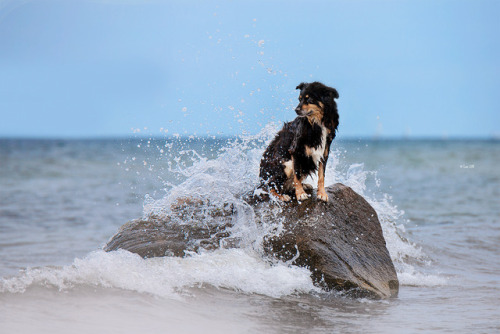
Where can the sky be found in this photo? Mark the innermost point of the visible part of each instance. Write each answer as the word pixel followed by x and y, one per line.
pixel 108 68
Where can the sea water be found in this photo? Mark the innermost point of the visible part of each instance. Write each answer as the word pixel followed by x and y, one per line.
pixel 60 201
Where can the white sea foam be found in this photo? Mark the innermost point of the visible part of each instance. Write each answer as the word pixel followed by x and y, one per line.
pixel 222 181
pixel 234 269
pixel 411 277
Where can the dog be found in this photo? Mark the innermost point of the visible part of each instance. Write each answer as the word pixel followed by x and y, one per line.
pixel 302 146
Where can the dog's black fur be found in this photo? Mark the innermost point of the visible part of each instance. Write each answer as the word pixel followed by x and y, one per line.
pixel 303 145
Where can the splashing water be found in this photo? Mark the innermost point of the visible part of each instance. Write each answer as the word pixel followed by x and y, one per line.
pixel 169 276
pixel 234 172
pixel 219 179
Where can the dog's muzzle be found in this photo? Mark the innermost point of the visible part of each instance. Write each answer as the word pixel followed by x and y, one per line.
pixel 301 112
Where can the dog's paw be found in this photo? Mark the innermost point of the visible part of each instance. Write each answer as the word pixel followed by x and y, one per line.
pixel 323 196
pixel 283 198
pixel 302 196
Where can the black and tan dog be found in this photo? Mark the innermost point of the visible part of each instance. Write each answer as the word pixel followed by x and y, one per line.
pixel 303 145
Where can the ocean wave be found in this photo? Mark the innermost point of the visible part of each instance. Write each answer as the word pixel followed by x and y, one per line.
pixel 218 181
pixel 234 269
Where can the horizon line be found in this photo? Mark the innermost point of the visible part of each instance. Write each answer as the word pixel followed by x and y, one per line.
pixel 223 137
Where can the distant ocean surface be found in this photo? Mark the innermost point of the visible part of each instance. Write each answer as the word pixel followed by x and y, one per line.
pixel 61 200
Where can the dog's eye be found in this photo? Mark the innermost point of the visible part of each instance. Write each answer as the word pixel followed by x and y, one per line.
pixel 310 101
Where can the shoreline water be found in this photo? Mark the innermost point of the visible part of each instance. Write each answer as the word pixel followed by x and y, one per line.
pixel 61 200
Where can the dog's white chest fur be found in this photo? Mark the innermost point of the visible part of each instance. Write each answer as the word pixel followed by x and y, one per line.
pixel 317 153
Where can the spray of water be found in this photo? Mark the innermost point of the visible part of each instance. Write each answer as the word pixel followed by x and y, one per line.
pixel 218 177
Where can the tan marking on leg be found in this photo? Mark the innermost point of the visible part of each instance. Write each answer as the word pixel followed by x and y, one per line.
pixel 284 198
pixel 322 195
pixel 288 168
pixel 299 190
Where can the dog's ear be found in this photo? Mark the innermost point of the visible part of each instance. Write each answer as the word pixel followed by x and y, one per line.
pixel 333 92
pixel 301 86
pixel 328 95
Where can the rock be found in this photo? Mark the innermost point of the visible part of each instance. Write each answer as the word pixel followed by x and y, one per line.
pixel 187 230
pixel 341 241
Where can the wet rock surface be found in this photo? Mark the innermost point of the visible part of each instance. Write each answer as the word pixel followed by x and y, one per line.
pixel 341 242
pixel 186 230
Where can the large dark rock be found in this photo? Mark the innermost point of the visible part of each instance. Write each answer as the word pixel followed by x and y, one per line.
pixel 341 241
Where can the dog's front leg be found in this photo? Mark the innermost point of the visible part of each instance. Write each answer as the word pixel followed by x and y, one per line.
pixel 299 189
pixel 322 195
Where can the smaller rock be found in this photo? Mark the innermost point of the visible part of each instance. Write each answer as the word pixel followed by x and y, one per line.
pixel 187 230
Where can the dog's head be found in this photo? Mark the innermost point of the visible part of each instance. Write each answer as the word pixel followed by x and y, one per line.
pixel 317 103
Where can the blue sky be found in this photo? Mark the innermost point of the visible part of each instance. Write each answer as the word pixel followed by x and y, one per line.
pixel 94 68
